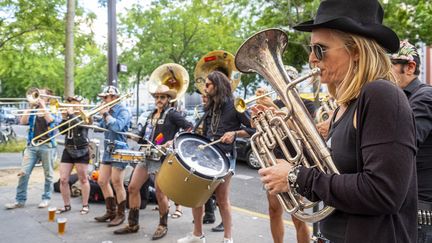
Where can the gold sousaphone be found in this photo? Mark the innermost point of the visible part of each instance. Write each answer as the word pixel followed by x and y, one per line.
pixel 216 60
pixel 172 75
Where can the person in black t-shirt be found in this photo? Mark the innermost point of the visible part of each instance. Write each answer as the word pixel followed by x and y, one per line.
pixel 75 153
pixel 372 136
pixel 223 122
pixel 406 66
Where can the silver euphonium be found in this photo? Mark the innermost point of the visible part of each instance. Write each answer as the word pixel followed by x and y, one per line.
pixel 262 54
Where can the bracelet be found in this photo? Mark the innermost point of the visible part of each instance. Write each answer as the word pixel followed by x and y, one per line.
pixel 292 178
pixel 105 115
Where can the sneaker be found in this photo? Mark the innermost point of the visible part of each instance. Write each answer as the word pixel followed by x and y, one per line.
pixel 43 204
pixel 230 240
pixel 14 205
pixel 190 238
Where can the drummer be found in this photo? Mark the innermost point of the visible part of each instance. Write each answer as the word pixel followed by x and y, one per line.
pixel 161 126
pixel 221 121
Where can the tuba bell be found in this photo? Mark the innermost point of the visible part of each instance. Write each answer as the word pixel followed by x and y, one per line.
pixel 172 75
pixel 216 60
pixel 262 54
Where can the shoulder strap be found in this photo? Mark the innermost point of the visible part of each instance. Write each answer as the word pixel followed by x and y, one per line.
pixel 200 121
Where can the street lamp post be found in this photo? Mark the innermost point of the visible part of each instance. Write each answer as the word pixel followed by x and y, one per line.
pixel 112 43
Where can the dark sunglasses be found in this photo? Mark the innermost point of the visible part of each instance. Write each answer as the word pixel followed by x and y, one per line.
pixel 162 97
pixel 318 50
pixel 395 62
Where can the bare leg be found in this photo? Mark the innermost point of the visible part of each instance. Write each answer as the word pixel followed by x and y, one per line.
pixel 162 199
pixel 276 219
pixel 222 198
pixel 85 185
pixel 139 177
pixel 117 181
pixel 65 171
pixel 103 180
pixel 303 234
pixel 197 214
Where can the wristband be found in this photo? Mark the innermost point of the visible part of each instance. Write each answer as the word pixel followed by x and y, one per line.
pixel 105 115
pixel 292 178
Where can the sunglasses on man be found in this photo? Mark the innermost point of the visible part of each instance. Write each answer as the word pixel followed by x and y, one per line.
pixel 161 97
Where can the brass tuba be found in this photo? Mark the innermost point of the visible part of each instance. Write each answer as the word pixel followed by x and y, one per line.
pixel 261 54
pixel 216 60
pixel 172 75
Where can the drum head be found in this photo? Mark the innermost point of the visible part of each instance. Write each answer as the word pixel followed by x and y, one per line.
pixel 209 162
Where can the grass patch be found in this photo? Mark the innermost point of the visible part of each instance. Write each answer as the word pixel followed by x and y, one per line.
pixel 13 146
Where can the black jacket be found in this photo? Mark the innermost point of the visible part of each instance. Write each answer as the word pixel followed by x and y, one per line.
pixel 77 136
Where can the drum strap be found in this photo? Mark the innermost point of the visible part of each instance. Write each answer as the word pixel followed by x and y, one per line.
pixel 200 121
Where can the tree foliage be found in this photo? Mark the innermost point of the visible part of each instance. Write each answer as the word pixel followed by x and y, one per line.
pixel 170 31
pixel 32 37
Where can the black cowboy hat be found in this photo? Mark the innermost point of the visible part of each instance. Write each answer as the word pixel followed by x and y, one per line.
pixel 360 17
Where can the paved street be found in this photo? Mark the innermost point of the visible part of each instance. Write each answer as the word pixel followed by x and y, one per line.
pixel 249 202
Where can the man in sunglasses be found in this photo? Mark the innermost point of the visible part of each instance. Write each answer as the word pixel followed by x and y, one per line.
pixel 406 63
pixel 160 128
pixel 116 119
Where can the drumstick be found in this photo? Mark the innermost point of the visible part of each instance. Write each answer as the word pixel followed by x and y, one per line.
pixel 201 147
pixel 154 146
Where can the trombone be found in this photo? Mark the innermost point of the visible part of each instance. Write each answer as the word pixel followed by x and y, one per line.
pixel 33 95
pixel 241 105
pixel 85 118
pixel 55 106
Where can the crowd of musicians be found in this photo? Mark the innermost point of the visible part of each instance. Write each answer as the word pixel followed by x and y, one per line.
pixel 376 184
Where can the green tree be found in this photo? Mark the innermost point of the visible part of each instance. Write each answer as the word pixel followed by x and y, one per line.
pixel 170 31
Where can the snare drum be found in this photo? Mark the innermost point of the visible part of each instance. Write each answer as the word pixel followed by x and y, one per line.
pixel 188 175
pixel 150 152
pixel 127 156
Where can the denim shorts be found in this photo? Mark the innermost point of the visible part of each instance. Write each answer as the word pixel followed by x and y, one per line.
pixel 118 165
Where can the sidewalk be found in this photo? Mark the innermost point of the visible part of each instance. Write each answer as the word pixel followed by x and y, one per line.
pixel 30 224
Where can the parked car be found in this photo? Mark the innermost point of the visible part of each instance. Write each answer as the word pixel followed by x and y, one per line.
pixel 245 153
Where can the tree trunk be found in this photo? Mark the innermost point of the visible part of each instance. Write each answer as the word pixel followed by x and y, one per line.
pixel 69 50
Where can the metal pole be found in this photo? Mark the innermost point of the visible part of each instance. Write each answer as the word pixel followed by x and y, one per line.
pixel 112 43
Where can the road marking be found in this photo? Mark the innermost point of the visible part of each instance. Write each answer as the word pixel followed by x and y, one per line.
pixel 243 177
pixel 260 215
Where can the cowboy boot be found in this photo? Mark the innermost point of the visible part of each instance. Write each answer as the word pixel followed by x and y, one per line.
pixel 110 210
pixel 162 228
pixel 209 208
pixel 120 216
pixel 133 220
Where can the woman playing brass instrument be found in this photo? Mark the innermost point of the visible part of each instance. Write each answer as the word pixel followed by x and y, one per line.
pixel 372 136
pixel 76 152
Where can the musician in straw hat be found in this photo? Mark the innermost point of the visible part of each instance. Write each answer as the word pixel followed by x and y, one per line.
pixel 161 126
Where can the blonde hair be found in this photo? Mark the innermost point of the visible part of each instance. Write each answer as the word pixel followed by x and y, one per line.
pixel 372 64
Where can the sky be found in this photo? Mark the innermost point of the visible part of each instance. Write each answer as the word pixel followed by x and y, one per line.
pixel 101 23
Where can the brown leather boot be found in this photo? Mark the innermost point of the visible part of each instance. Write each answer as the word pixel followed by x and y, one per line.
pixel 110 210
pixel 133 225
pixel 120 216
pixel 162 228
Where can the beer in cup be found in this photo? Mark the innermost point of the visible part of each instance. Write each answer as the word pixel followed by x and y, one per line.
pixel 61 222
pixel 51 213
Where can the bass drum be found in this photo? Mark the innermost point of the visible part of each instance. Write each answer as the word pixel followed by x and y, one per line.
pixel 189 175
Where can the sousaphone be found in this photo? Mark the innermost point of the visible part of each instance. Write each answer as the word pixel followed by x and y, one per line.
pixel 216 60
pixel 172 75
